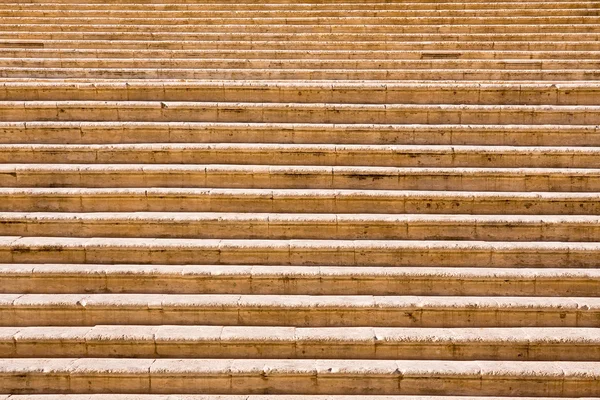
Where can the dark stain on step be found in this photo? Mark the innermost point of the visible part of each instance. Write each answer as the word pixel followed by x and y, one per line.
pixel 21 250
pixel 21 44
pixel 411 316
pixel 365 177
pixel 49 247
pixel 436 56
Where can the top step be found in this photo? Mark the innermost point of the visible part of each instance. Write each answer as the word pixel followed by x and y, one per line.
pixel 203 6
pixel 233 2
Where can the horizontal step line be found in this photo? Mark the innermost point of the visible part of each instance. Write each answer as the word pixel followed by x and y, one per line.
pixel 115 396
pixel 445 253
pixel 292 218
pixel 298 280
pixel 303 226
pixel 297 310
pixel 303 84
pixel 522 344
pixel 230 376
pixel 175 302
pixel 292 169
pixel 213 273
pixel 318 148
pixel 270 194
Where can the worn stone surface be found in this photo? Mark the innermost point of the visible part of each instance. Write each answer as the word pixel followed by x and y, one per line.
pixel 299 199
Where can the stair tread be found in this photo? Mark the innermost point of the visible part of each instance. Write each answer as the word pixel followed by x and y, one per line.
pixel 313 280
pixel 292 217
pixel 389 149
pixel 6 241
pixel 408 368
pixel 258 397
pixel 299 54
pixel 117 396
pixel 303 193
pixel 258 105
pixel 295 169
pixel 308 376
pixel 431 253
pixel 217 271
pixel 176 301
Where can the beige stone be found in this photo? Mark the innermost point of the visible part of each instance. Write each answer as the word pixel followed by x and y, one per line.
pixel 307 199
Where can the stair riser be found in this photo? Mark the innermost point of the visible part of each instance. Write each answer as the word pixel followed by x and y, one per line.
pixel 166 35
pixel 315 7
pixel 171 7
pixel 571 66
pixel 267 201
pixel 36 50
pixel 300 14
pixel 303 74
pixel 289 283
pixel 407 350
pixel 421 18
pixel 404 254
pixel 316 157
pixel 223 315
pixel 513 94
pixel 256 229
pixel 73 3
pixel 246 380
pixel 296 113
pixel 67 45
pixel 230 397
pixel 303 29
pixel 121 133
pixel 299 179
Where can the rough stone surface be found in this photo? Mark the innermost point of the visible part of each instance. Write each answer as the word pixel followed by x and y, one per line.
pixel 299 200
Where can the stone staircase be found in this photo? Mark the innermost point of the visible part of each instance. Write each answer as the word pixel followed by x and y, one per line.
pixel 299 199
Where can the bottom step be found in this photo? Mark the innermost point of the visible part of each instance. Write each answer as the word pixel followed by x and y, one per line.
pixel 256 397
pixel 239 376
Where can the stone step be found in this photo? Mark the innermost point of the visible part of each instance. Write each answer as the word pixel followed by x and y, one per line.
pixel 307 3
pixel 296 201
pixel 242 83
pixel 375 74
pixel 303 13
pixel 167 36
pixel 307 45
pixel 296 310
pixel 442 156
pixel 303 226
pixel 393 253
pixel 313 64
pixel 81 132
pixel 475 17
pixel 299 177
pixel 301 29
pixel 114 396
pixel 35 50
pixel 427 92
pixel 233 376
pixel 75 3
pixel 298 280
pixel 157 111
pixel 203 6
pixel 518 344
